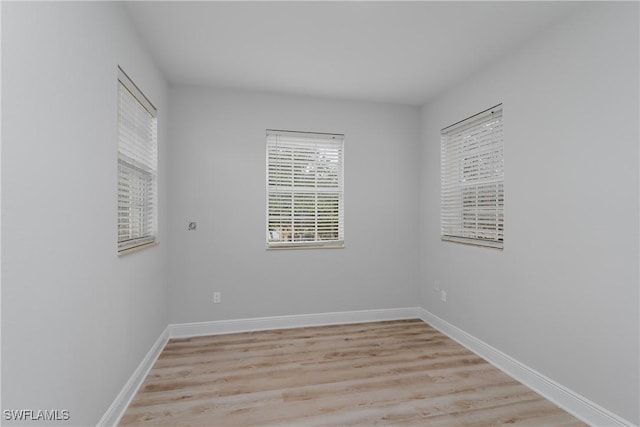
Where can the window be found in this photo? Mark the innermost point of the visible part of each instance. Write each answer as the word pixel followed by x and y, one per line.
pixel 472 180
pixel 305 190
pixel 137 166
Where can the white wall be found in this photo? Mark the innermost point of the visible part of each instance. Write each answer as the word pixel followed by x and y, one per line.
pixel 563 295
pixel 76 318
pixel 217 178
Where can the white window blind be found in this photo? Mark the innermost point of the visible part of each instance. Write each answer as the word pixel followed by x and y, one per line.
pixel 305 189
pixel 472 180
pixel 137 166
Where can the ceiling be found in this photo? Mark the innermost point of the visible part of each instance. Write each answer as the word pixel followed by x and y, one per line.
pixel 399 52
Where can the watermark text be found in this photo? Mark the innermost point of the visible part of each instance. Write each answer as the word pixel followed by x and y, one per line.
pixel 36 415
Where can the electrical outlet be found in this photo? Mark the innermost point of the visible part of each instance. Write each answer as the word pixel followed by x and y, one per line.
pixel 443 296
pixel 217 297
pixel 436 285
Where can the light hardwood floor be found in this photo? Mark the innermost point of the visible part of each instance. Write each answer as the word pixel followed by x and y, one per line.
pixel 384 373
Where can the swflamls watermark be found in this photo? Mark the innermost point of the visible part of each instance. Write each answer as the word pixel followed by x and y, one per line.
pixel 36 415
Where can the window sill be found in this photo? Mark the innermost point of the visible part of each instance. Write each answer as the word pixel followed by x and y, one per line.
pixel 137 248
pixel 474 242
pixel 290 247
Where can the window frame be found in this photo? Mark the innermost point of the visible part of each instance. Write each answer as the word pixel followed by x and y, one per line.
pixel 137 152
pixel 333 219
pixel 472 180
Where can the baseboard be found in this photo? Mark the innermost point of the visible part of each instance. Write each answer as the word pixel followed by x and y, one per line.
pixel 124 398
pixel 185 330
pixel 577 405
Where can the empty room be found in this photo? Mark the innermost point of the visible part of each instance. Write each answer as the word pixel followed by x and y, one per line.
pixel 320 213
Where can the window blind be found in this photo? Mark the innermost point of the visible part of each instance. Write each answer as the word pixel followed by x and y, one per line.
pixel 305 189
pixel 137 166
pixel 472 180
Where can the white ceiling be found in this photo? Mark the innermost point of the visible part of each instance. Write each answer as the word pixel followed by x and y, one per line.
pixel 401 52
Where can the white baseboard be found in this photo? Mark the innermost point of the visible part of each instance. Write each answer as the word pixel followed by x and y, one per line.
pixel 126 395
pixel 185 330
pixel 572 402
pixel 577 405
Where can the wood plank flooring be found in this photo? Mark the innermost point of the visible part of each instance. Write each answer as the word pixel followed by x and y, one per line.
pixel 400 373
